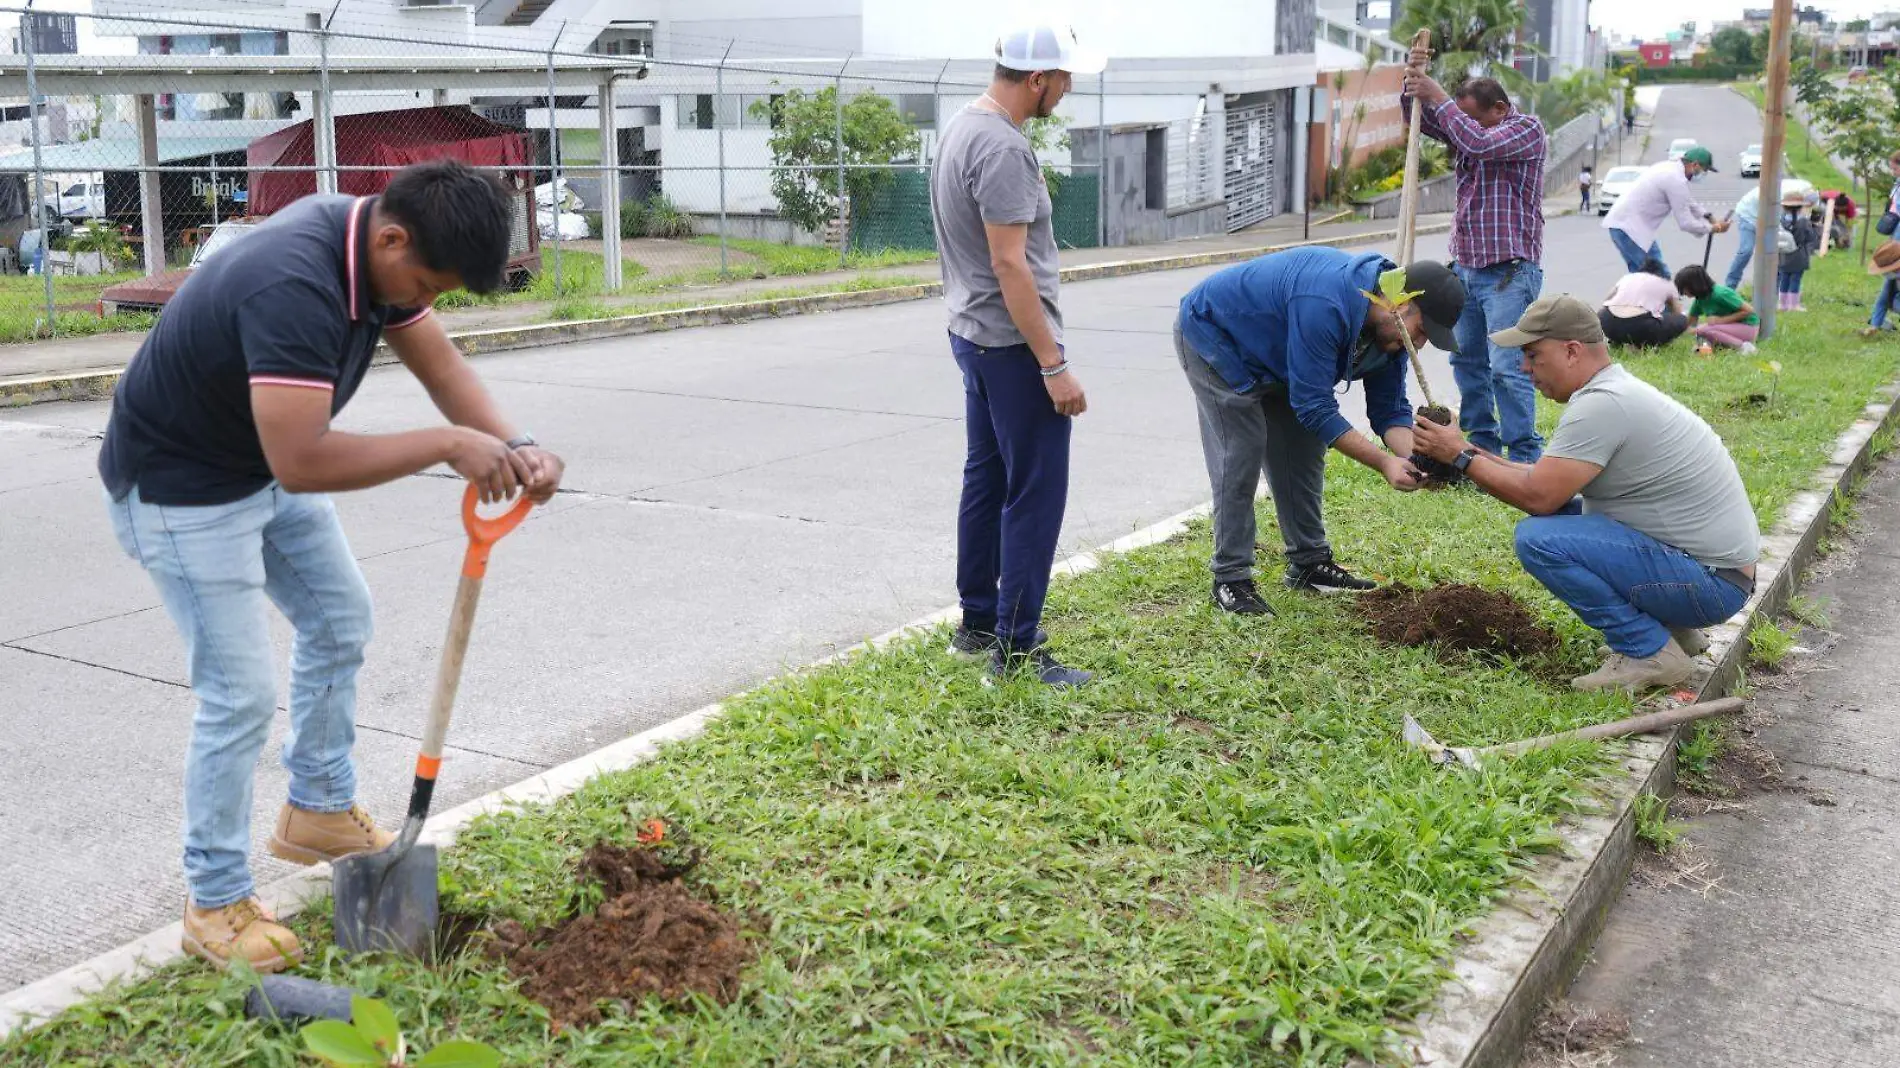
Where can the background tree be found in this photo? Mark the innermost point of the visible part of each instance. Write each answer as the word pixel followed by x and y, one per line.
pixel 1855 26
pixel 1857 122
pixel 805 135
pixel 1578 93
pixel 1469 37
pixel 1734 46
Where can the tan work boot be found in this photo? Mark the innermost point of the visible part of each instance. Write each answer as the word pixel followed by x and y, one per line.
pixel 241 930
pixel 1693 642
pixel 305 837
pixel 1668 667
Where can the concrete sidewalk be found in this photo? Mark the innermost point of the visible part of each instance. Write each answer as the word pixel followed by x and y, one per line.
pixel 111 352
pixel 1768 939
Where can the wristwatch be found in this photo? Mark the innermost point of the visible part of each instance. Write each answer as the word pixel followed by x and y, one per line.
pixel 521 442
pixel 1463 460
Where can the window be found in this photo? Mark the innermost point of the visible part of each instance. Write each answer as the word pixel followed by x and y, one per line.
pixel 918 109
pixel 1155 174
pixel 704 111
pixel 225 44
pixel 759 111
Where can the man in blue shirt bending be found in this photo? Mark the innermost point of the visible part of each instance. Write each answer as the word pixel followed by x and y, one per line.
pixel 1265 344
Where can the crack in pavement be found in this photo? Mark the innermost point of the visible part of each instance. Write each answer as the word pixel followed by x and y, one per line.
pixel 90 664
pixel 1858 773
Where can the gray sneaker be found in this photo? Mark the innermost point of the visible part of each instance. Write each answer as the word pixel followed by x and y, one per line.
pixel 1668 667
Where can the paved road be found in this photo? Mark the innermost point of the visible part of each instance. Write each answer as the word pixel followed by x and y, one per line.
pixel 1792 960
pixel 749 498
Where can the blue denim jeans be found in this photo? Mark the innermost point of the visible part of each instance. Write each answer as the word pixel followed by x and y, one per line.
pixel 1743 253
pixel 217 569
pixel 1497 406
pixel 1788 282
pixel 1634 255
pixel 1624 583
pixel 1883 304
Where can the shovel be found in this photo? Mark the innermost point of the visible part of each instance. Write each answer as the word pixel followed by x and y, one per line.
pixel 387 900
pixel 1439 753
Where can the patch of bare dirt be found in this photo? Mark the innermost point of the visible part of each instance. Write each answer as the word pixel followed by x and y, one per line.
pixel 1569 1037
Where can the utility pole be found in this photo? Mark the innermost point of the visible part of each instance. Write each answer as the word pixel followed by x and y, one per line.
pixel 1774 132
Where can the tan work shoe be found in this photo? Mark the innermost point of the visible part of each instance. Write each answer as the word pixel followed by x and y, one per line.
pixel 241 930
pixel 305 837
pixel 1693 642
pixel 1668 667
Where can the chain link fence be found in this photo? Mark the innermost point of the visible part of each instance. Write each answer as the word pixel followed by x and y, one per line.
pixel 134 147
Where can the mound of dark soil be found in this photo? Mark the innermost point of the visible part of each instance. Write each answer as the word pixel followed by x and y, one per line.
pixel 1456 618
pixel 651 937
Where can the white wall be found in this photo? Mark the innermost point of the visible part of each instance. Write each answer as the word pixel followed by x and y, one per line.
pixel 1120 28
pixel 682 151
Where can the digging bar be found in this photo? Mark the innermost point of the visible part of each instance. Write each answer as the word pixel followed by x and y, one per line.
pixel 1646 723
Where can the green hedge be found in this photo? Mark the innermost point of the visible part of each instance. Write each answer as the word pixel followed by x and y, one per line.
pixel 1714 72
pixel 897 215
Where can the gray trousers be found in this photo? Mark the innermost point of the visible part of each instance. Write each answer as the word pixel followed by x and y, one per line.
pixel 1241 433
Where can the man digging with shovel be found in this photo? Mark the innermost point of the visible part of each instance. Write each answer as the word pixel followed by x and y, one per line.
pixel 216 462
pixel 1637 516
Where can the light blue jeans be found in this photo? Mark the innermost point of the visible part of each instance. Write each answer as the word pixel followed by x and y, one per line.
pixel 1623 582
pixel 1744 252
pixel 217 569
pixel 1497 406
pixel 1634 255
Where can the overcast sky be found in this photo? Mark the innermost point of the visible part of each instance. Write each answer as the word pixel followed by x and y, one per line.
pixel 1647 18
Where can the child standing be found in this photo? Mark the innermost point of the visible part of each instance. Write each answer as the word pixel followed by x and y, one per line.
pixel 1793 264
pixel 1732 322
pixel 1584 181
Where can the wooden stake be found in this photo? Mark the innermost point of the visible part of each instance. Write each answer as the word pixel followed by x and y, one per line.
pixel 1408 198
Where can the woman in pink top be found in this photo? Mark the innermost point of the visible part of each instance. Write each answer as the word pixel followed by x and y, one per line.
pixel 1644 310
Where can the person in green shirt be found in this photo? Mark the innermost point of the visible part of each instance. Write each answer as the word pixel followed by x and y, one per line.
pixel 1731 321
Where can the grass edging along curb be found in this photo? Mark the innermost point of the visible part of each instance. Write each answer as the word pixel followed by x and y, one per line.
pixel 26 1008
pixel 1528 948
pixel 95 385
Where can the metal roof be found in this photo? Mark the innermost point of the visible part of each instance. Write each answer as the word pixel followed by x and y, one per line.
pixel 119 153
pixel 77 75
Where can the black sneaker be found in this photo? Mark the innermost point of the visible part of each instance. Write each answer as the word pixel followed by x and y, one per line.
pixel 1326 576
pixel 1241 598
pixel 971 643
pixel 1048 669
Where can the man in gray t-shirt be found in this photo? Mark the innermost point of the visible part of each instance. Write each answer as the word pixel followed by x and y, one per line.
pixel 998 251
pixel 1638 517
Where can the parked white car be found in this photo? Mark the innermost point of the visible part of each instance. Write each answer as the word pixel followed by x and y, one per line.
pixel 1751 162
pixel 1615 184
pixel 1681 145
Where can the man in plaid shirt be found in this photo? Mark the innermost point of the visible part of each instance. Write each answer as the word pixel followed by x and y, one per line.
pixel 1497 238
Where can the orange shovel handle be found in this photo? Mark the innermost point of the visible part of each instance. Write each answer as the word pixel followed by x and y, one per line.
pixel 484 533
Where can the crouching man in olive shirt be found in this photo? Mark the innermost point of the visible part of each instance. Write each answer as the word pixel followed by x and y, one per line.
pixel 1638 518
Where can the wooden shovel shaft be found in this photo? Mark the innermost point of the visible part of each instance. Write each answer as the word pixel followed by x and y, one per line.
pixel 1643 724
pixel 1408 199
pixel 448 676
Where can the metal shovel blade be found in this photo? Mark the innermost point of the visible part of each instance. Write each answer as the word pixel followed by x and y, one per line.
pixel 1440 753
pixel 387 901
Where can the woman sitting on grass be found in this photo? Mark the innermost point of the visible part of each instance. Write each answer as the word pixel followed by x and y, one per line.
pixel 1644 310
pixel 1732 320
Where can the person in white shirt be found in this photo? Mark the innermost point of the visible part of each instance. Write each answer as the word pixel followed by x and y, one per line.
pixel 1661 192
pixel 1747 210
pixel 1584 181
pixel 1644 310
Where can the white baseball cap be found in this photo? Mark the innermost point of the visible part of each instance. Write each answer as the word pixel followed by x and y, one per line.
pixel 1045 46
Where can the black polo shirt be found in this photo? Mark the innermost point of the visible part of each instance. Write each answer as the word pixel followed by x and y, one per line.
pixel 290 305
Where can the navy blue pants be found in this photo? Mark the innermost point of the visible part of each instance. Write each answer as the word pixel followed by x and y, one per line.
pixel 1015 489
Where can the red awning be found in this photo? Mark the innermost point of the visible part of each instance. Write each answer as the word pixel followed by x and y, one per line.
pixel 385 139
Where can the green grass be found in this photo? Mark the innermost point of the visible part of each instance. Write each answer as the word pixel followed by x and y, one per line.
pixel 1696 753
pixel 775 259
pixel 571 308
pixel 1653 825
pixel 1769 644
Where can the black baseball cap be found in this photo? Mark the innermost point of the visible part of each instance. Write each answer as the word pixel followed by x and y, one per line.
pixel 1440 300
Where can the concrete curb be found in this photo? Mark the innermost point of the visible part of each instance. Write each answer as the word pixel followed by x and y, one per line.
pixel 1527 949
pixel 31 1005
pixel 97 384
